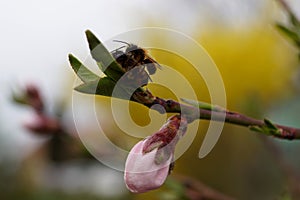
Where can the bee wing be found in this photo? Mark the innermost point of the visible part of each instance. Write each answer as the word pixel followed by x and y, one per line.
pixel 148 59
pixel 149 77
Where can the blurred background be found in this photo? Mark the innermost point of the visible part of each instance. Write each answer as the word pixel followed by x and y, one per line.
pixel 258 64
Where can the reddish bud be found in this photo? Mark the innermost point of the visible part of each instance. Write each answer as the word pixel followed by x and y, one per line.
pixel 34 97
pixel 43 125
pixel 148 163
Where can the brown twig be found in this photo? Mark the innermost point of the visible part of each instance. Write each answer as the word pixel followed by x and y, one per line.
pixel 196 190
pixel 291 175
pixel 193 113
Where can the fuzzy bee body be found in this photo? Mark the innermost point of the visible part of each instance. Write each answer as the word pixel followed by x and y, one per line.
pixel 135 61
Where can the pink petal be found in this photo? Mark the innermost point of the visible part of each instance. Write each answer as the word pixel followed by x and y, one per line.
pixel 141 172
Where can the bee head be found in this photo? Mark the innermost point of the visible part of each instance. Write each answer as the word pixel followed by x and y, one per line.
pixel 133 48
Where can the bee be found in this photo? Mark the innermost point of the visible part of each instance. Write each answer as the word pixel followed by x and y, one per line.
pixel 137 62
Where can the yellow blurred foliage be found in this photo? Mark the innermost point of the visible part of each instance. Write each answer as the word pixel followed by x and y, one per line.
pixel 256 61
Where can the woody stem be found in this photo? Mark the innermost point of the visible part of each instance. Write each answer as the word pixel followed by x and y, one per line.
pixel 193 113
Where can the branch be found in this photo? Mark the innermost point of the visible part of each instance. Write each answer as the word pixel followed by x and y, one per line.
pixel 291 175
pixel 115 71
pixel 193 113
pixel 194 189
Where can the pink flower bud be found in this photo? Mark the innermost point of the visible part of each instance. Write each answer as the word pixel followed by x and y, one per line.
pixel 148 163
pixel 34 97
pixel 141 172
pixel 42 125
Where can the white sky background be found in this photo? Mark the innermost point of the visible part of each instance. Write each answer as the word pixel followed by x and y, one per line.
pixel 37 36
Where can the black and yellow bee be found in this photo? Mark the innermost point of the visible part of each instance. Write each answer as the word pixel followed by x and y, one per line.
pixel 137 62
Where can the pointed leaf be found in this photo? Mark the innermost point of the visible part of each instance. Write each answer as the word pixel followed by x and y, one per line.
pixel 199 104
pixel 106 87
pixel 290 33
pixel 82 72
pixel 110 67
pixel 88 88
pixel 256 128
pixel 294 20
pixel 270 125
pixel 101 67
pixel 203 105
pixel 20 99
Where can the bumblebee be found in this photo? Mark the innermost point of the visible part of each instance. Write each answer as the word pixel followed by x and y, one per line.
pixel 135 60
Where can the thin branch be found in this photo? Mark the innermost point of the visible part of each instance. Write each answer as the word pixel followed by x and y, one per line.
pixel 114 71
pixel 193 113
pixel 195 190
pixel 288 170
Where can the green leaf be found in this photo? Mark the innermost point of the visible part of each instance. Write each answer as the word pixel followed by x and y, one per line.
pixel 268 128
pixel 106 87
pixel 270 125
pixel 203 105
pixel 88 88
pixel 199 104
pixel 20 99
pixel 101 67
pixel 294 20
pixel 108 64
pixel 82 72
pixel 256 128
pixel 290 33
